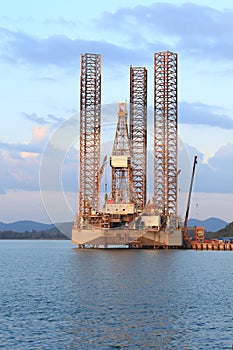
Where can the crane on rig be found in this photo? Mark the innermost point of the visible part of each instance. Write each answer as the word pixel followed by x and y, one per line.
pixel 198 230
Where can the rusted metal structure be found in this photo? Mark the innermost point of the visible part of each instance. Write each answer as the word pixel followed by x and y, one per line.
pixel 125 219
pixel 165 133
pixel 138 131
pixel 90 124
pixel 120 161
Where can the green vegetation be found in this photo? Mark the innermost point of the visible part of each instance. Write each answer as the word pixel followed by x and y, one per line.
pixel 224 232
pixel 32 235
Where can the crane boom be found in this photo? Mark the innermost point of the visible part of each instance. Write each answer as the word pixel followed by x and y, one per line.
pixel 186 239
pixel 101 170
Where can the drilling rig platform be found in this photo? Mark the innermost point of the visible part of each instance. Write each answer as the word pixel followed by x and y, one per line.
pixel 127 217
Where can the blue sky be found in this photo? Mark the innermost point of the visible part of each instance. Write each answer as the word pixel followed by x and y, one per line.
pixel 40 49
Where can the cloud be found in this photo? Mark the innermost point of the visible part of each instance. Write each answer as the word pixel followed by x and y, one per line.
pixel 28 154
pixel 70 171
pixel 53 118
pixel 216 175
pixel 34 117
pixel 199 31
pixel 61 21
pixel 20 163
pixel 18 172
pixel 192 151
pixel 206 205
pixel 202 114
pixel 46 79
pixel 40 134
pixel 16 148
pixel 21 48
pixel 193 30
pixel 49 119
pixel 222 157
pixel 59 50
pixel 22 173
pixel 22 205
pixel 167 19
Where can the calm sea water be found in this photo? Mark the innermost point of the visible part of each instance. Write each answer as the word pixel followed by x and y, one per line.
pixel 55 297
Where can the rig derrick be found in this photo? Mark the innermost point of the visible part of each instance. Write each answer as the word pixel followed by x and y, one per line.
pixel 120 206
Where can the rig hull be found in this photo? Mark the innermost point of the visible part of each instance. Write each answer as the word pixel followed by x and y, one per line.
pixel 132 238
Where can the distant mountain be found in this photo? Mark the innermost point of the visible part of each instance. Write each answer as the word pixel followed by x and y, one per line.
pixel 25 225
pixel 62 227
pixel 35 230
pixel 227 231
pixel 210 225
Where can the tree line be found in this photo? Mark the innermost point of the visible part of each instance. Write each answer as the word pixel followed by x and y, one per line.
pixel 32 235
pixel 223 232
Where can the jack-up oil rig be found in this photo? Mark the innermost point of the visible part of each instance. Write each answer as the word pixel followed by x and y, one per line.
pixel 128 218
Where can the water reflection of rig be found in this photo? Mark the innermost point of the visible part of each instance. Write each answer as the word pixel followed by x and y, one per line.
pixel 127 218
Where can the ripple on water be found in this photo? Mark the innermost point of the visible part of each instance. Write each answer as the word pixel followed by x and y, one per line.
pixel 56 297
